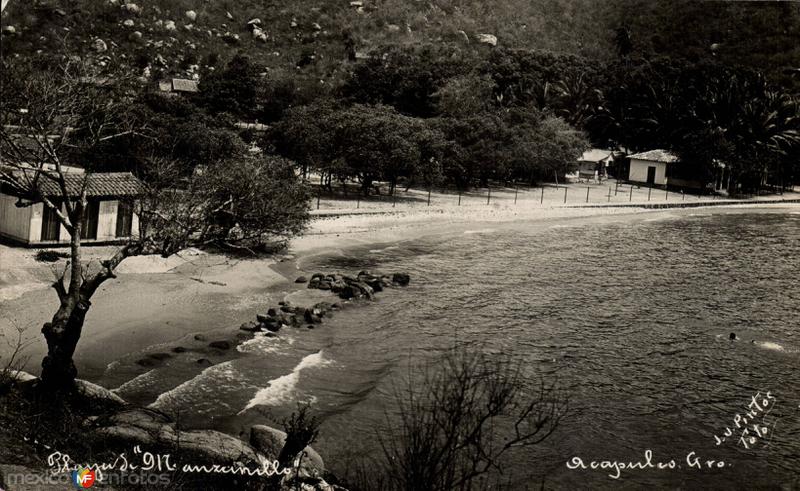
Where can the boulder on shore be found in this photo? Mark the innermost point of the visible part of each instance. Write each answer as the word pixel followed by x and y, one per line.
pixel 269 441
pixel 97 396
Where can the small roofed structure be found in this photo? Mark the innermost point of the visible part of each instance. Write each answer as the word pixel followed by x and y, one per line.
pixel 651 167
pixel 179 86
pixel 109 217
pixel 593 164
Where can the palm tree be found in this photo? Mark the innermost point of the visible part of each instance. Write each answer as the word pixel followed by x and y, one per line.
pixel 576 101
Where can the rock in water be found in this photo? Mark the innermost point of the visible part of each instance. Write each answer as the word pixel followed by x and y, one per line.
pixel 250 326
pixel 301 279
pixel 401 279
pixel 223 345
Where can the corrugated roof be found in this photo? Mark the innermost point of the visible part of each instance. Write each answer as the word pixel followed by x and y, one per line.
pixel 184 85
pixel 595 155
pixel 655 156
pixel 102 184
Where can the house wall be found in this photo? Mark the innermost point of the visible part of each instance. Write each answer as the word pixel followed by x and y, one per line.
pixel 35 235
pixel 25 224
pixel 134 224
pixel 107 220
pixel 638 171
pixel 15 222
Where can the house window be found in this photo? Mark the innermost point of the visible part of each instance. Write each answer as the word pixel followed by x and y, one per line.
pixel 51 227
pixel 124 218
pixel 91 215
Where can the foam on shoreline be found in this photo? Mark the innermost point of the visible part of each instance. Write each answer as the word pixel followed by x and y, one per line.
pixel 282 389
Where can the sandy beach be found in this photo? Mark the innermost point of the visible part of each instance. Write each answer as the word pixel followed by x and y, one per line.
pixel 158 300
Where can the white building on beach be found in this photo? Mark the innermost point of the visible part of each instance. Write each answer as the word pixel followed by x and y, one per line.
pixel 109 217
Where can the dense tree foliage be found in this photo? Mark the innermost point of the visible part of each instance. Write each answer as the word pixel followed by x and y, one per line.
pixel 440 106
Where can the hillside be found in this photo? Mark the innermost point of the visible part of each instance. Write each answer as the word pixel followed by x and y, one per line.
pixel 180 37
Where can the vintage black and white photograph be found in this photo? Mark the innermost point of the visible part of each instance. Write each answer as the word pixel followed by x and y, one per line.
pixel 400 245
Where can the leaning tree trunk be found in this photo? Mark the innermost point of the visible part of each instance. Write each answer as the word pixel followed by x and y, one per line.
pixel 62 335
pixel 64 331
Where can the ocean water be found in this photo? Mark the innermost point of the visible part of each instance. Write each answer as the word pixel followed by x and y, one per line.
pixel 629 316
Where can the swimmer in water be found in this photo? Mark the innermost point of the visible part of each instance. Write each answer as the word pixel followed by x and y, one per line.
pixel 732 337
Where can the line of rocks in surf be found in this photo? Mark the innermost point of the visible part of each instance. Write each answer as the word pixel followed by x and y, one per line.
pixel 362 286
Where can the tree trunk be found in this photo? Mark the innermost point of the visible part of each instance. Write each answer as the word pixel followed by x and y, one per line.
pixel 62 335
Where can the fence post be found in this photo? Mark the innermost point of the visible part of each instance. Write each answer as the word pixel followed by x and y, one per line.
pixel 358 200
pixel 649 191
pixel 429 196
pixel 666 195
pixel 542 200
pixel 489 195
pixel 459 196
pixel 394 197
pixel 631 196
pixel 683 195
pixel 616 187
pixel 565 195
pixel 516 192
pixel 587 193
pixel 609 194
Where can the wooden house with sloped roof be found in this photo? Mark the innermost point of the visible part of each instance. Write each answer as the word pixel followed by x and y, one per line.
pixel 109 217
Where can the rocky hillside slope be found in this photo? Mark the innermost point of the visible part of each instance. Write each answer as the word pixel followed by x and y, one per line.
pixel 317 38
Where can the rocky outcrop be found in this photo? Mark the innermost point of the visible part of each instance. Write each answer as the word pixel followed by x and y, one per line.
pixel 270 441
pixel 156 432
pixel 365 285
pixel 100 397
pixel 153 430
pixel 132 8
pixel 99 45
